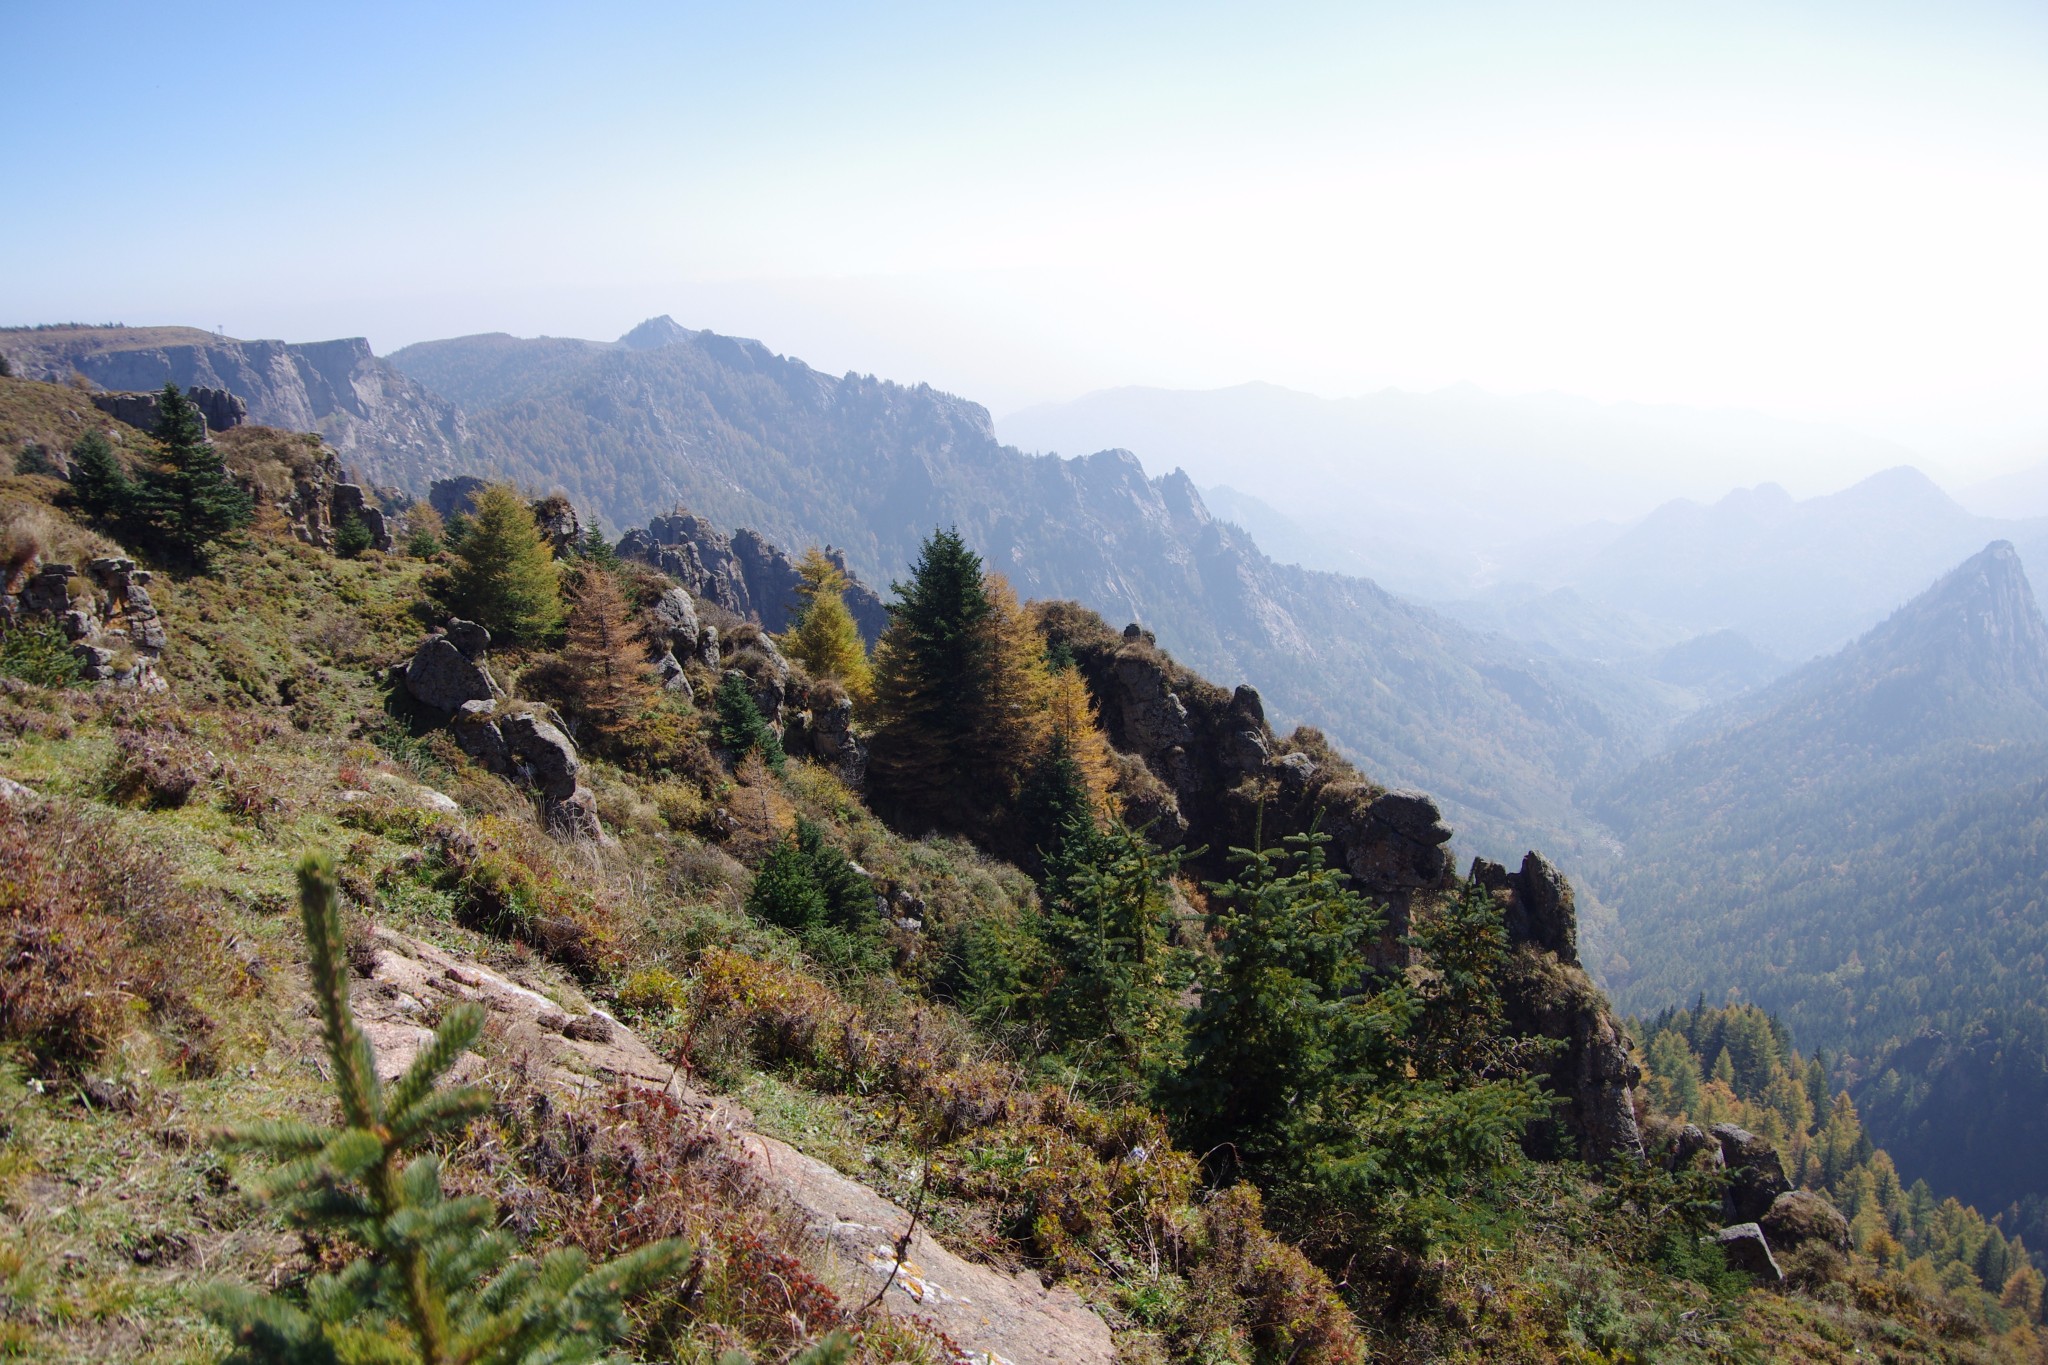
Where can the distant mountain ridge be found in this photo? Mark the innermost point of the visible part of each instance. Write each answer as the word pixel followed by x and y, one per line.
pixel 1438 494
pixel 747 437
pixel 1862 847
pixel 384 423
pixel 1797 576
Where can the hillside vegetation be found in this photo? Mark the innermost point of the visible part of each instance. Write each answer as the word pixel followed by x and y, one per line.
pixel 1860 850
pixel 1322 1100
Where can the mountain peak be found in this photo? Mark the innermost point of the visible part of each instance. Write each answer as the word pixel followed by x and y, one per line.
pixel 654 334
pixel 1980 618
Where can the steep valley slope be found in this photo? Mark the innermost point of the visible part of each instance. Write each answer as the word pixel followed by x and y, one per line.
pixel 1862 848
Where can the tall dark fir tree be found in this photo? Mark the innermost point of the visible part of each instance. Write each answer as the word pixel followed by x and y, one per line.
pixel 189 503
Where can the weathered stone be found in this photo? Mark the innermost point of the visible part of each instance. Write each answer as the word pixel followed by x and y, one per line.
pixel 456 496
pixel 77 625
pixel 574 816
pixel 467 636
pixel 555 517
pixel 475 728
pixel 1689 1143
pixel 741 573
pixel 48 590
pixel 1595 1073
pixel 834 744
pixel 1756 1176
pixel 677 615
pixel 219 409
pixel 1800 1216
pixel 1540 908
pixel 669 670
pixel 1747 1250
pixel 993 1316
pixel 544 753
pixel 442 677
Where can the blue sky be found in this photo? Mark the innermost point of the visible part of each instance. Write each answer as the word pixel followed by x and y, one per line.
pixel 1828 211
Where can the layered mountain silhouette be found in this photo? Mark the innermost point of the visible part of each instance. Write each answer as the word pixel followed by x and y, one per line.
pixel 1862 848
pixel 747 437
pixel 1798 577
pixel 384 423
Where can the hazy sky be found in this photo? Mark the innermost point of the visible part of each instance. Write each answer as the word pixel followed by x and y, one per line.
pixel 1832 211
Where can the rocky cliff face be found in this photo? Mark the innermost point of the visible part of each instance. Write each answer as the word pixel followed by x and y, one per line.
pixel 743 572
pixel 1202 766
pixel 377 418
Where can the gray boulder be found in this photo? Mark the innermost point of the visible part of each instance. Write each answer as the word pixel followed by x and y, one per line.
pixel 442 677
pixel 1797 1217
pixel 467 636
pixel 543 753
pixel 1747 1250
pixel 476 732
pixel 1540 909
pixel 669 670
pixel 677 615
pixel 1756 1176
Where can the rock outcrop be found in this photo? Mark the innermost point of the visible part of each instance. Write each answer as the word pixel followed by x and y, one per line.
pixel 1539 909
pixel 1212 773
pixel 1594 1074
pixel 302 477
pixel 1797 1217
pixel 1747 1250
pixel 1203 767
pixel 1756 1176
pixel 527 749
pixel 853 1230
pixel 742 572
pixel 381 421
pixel 116 633
pixel 221 410
pixel 449 669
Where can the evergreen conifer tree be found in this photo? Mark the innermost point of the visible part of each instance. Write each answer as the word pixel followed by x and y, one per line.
pixel 98 481
pixel 741 726
pixel 927 665
pixel 436 1282
pixel 504 575
pixel 351 537
pixel 189 502
pixel 823 637
pixel 1107 918
pixel 1304 1063
pixel 423 537
pixel 606 659
pixel 594 548
pixel 962 697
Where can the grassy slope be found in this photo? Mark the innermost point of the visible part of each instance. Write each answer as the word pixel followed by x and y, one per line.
pixel 118 1208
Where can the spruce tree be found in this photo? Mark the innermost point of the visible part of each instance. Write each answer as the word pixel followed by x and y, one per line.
pixel 823 636
pixel 1302 1061
pixel 606 659
pixel 742 728
pixel 98 481
pixel 1107 919
pixel 962 697
pixel 926 667
pixel 435 1282
pixel 189 501
pixel 351 537
pixel 505 576
pixel 594 548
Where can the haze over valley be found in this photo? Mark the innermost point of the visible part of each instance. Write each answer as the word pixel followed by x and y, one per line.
pixel 1060 685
